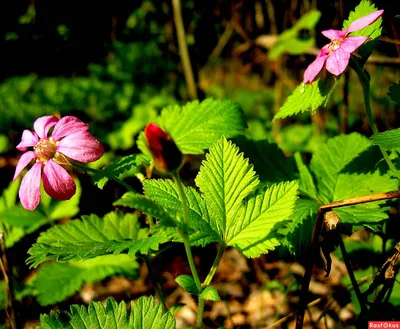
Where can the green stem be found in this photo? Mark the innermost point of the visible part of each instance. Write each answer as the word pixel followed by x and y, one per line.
pixel 119 181
pixel 188 250
pixel 214 266
pixel 365 83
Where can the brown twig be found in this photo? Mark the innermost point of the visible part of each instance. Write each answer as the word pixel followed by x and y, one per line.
pixel 183 50
pixel 313 251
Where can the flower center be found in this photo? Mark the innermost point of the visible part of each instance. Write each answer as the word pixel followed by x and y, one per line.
pixel 335 44
pixel 45 149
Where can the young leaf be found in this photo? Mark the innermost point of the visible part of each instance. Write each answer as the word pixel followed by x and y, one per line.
pixel 390 139
pixel 165 193
pixel 210 293
pixel 93 236
pixel 307 97
pixel 306 182
pixel 118 167
pixel 255 228
pixel 187 283
pixel 142 314
pixel 57 281
pixel 225 179
pixel 195 126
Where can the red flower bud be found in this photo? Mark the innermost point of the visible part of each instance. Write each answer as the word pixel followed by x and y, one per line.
pixel 166 154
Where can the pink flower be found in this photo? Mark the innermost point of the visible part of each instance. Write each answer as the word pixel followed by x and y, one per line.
pixel 68 140
pixel 335 55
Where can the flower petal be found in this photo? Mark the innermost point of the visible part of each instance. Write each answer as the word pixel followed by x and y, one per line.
pixel 314 68
pixel 364 21
pixel 29 191
pixel 28 139
pixel 23 162
pixel 352 43
pixel 68 125
pixel 81 146
pixel 337 61
pixel 42 125
pixel 57 182
pixel 334 34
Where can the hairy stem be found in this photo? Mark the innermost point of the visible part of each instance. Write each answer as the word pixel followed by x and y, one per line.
pixel 214 266
pixel 365 83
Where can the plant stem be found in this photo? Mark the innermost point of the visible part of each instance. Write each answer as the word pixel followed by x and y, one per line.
pixel 351 274
pixel 214 266
pixel 119 181
pixel 365 84
pixel 188 250
pixel 183 49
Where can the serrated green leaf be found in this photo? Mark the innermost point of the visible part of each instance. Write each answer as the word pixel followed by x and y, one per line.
pixel 297 235
pixel 389 139
pixel 57 281
pixel 371 212
pixel 225 179
pixel 143 314
pixel 118 167
pixel 307 97
pixel 332 158
pixel 165 192
pixel 147 206
pixel 210 293
pixel 187 283
pixel 394 92
pixel 93 236
pixel 306 182
pixel 255 229
pixel 195 126
pixel 270 163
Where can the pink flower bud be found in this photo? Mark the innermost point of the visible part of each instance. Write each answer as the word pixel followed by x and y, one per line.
pixel 166 154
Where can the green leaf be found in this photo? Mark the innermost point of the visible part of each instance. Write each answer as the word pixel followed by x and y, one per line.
pixel 225 179
pixel 210 293
pixel 307 97
pixel 57 281
pixel 187 283
pixel 93 236
pixel 270 163
pixel 4 143
pixel 306 182
pixel 255 228
pixel 332 158
pixel 118 167
pixel 165 193
pixel 68 208
pixel 297 235
pixel 364 8
pixel 290 42
pixel 389 139
pixel 147 206
pixel 195 126
pixel 394 92
pixel 142 314
pixel 9 195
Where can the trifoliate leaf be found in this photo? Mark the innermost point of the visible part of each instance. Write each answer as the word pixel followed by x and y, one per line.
pixel 290 42
pixel 187 283
pixel 225 179
pixel 195 126
pixel 271 165
pixel 165 193
pixel 297 235
pixel 394 92
pixel 118 167
pixel 142 314
pixel 93 236
pixel 57 281
pixel 255 228
pixel 306 182
pixel 210 293
pixel 389 139
pixel 307 97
